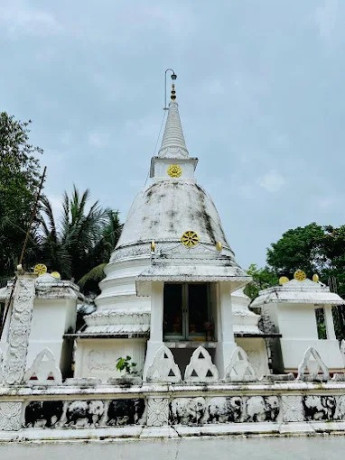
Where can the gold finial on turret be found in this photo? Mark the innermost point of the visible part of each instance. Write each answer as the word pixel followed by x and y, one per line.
pixel 173 92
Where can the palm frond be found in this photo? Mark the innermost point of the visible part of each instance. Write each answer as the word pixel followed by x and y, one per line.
pixel 96 274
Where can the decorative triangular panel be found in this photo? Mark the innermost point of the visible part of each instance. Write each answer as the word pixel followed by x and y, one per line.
pixel 312 367
pixel 44 370
pixel 163 367
pixel 201 368
pixel 239 368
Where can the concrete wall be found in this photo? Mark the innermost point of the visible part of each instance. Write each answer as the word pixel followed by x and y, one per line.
pixel 96 358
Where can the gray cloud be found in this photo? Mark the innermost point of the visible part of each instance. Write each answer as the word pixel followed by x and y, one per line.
pixel 260 87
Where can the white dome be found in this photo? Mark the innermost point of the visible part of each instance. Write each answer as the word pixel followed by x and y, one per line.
pixel 166 209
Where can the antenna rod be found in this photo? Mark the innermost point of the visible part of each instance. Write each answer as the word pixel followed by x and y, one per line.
pixel 173 77
pixel 33 214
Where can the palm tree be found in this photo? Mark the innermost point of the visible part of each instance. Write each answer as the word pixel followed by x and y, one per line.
pixel 83 241
pixel 102 251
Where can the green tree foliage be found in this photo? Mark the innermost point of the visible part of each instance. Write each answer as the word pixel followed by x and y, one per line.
pixel 262 279
pixel 19 179
pixel 314 249
pixel 333 245
pixel 301 247
pixel 80 245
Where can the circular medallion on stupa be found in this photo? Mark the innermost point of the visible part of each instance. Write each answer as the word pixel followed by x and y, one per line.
pixel 174 171
pixel 190 239
pixel 283 280
pixel 299 275
pixel 40 269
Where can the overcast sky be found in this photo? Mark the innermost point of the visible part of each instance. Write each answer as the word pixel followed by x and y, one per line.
pixel 260 89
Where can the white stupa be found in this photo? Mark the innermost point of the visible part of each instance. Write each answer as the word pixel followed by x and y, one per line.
pixel 301 311
pixel 170 276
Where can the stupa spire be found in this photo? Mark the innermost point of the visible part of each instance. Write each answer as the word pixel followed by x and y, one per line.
pixel 173 143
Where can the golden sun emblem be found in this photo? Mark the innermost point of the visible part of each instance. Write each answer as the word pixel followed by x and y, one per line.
pixel 174 171
pixel 283 280
pixel 299 275
pixel 40 269
pixel 190 239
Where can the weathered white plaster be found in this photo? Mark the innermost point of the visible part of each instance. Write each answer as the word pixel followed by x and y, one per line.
pixel 342 350
pixel 244 320
pixel 156 330
pixel 54 314
pixel 225 335
pixel 97 358
pixel 256 350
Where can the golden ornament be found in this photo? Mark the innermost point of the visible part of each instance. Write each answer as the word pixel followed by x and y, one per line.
pixel 190 239
pixel 174 171
pixel 56 275
pixel 153 246
pixel 283 280
pixel 299 275
pixel 219 246
pixel 315 278
pixel 40 269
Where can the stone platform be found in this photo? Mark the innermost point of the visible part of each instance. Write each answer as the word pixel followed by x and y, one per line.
pixel 76 412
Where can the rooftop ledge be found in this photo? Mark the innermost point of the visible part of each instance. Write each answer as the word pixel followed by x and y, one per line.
pixel 170 343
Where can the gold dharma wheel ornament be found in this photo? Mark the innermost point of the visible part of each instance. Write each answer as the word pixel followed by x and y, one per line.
pixel 299 275
pixel 190 239
pixel 315 278
pixel 174 171
pixel 283 280
pixel 40 269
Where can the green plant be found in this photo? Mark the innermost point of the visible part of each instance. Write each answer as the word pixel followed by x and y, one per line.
pixel 125 364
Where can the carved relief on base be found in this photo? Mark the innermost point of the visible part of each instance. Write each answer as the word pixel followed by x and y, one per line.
pixel 43 414
pixel 292 408
pixel 84 414
pixel 125 412
pixel 224 409
pixel 19 330
pixel 10 414
pixel 157 411
pixel 187 411
pixel 318 408
pixel 262 409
